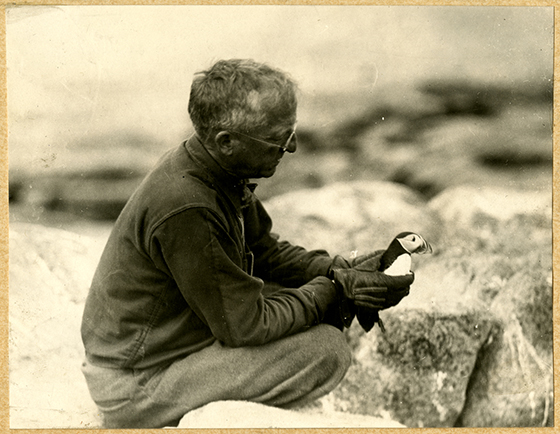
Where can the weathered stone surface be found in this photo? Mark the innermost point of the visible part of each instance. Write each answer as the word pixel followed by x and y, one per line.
pixel 473 349
pixel 343 217
pixel 417 372
pixel 242 414
pixel 513 382
pixel 470 346
pixel 50 272
pixel 511 385
pixel 471 207
pixel 67 258
pixel 493 260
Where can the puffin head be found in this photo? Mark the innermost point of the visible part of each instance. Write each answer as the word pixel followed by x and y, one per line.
pixel 413 243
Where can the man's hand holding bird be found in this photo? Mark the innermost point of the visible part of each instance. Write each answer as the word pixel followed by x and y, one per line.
pixel 364 289
pixel 376 281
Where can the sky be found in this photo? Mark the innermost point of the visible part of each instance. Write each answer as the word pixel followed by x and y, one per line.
pixel 79 70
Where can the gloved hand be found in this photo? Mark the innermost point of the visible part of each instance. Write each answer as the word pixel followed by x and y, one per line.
pixel 369 261
pixel 395 296
pixel 365 289
pixel 345 311
pixel 369 317
pixel 384 291
pixel 371 289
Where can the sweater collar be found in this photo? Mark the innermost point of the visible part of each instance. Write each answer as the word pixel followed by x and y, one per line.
pixel 239 191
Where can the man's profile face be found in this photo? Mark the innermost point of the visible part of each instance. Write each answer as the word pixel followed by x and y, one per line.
pixel 253 158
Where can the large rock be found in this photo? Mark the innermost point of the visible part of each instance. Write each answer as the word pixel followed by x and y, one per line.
pixel 418 371
pixel 242 414
pixel 468 208
pixel 470 346
pixel 50 272
pixel 513 382
pixel 344 217
pixel 482 304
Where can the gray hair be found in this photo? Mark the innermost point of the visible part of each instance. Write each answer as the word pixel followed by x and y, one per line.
pixel 240 95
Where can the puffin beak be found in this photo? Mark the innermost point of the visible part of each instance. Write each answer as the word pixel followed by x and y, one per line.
pixel 424 248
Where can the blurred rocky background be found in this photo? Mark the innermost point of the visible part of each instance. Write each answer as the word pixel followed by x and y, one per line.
pixel 433 119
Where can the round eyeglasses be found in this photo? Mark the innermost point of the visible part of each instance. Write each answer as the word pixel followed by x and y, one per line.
pixel 283 147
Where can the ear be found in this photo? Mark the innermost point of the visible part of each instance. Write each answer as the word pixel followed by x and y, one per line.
pixel 224 144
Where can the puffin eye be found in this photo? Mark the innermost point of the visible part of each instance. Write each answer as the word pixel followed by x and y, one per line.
pixel 413 238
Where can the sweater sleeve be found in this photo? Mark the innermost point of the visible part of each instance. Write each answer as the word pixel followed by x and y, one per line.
pixel 280 261
pixel 196 249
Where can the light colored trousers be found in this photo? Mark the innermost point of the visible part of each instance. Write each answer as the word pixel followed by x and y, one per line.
pixel 286 373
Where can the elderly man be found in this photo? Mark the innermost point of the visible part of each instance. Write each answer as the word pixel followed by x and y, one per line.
pixel 182 310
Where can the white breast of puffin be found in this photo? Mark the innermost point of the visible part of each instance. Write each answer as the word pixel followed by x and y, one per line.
pixel 400 267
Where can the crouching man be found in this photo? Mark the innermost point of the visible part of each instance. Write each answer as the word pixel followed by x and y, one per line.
pixel 181 312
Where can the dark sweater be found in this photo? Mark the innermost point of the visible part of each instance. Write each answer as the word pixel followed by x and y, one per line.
pixel 177 272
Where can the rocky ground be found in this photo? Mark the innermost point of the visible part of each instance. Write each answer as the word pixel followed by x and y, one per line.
pixel 469 167
pixel 470 346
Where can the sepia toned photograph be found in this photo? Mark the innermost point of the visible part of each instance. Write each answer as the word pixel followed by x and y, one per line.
pixel 280 216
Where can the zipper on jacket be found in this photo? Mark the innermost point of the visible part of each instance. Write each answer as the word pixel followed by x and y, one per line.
pixel 248 256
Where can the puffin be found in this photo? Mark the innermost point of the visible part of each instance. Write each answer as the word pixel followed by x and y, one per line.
pixel 395 261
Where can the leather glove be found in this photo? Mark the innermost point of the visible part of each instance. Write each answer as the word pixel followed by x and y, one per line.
pixel 367 315
pixel 369 262
pixel 367 318
pixel 346 312
pixel 362 288
pixel 366 290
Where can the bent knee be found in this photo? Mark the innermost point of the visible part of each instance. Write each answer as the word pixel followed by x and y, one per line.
pixel 330 345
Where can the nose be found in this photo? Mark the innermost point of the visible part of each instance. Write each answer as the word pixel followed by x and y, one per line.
pixel 292 145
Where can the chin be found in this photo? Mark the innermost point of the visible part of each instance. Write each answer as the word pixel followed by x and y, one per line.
pixel 267 174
